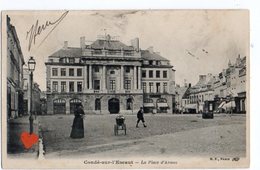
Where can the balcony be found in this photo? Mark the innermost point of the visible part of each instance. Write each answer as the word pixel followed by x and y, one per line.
pixel 111 91
pixel 127 91
pixel 96 91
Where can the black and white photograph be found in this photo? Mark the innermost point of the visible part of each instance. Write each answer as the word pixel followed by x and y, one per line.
pixel 125 89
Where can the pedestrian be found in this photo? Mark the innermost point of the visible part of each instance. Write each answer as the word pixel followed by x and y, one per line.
pixel 78 124
pixel 140 116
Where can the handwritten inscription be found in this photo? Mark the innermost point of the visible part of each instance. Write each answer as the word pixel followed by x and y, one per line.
pixel 36 30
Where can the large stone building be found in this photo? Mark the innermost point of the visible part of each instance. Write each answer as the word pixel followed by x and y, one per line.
pixel 108 76
pixel 15 62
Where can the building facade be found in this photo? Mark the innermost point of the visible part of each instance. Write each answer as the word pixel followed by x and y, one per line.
pixel 36 93
pixel 227 90
pixel 15 62
pixel 105 77
pixel 157 83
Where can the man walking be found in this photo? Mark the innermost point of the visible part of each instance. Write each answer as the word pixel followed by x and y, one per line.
pixel 140 116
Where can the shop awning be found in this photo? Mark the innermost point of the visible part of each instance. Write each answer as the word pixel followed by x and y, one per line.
pixel 148 105
pixel 229 105
pixel 191 106
pixel 221 104
pixel 162 105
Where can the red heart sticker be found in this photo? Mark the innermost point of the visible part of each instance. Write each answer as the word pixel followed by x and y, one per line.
pixel 28 139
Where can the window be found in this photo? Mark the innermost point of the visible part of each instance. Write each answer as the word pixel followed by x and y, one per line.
pixel 144 73
pixel 79 86
pixel 71 60
pixel 63 71
pixel 96 69
pixel 71 86
pixel 97 104
pixel 54 72
pixel 157 74
pixel 158 63
pixel 112 72
pixel 150 73
pixel 96 84
pixel 144 86
pixel 62 60
pixel 112 85
pixel 63 86
pixel 127 69
pixel 54 86
pixel 127 84
pixel 164 87
pixel 150 87
pixel 79 72
pixel 98 52
pixel 71 72
pixel 164 74
pixel 150 62
pixel 158 88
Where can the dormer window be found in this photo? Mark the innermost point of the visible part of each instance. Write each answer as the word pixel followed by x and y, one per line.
pixel 150 62
pixel 62 60
pixel 71 60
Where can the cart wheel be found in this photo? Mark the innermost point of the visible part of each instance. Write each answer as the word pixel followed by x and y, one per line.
pixel 115 129
pixel 125 128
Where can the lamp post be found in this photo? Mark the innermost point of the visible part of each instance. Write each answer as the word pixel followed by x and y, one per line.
pixel 31 67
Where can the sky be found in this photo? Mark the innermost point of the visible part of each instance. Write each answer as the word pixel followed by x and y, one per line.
pixel 195 41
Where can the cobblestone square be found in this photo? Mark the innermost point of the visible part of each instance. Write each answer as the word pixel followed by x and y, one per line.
pixel 223 135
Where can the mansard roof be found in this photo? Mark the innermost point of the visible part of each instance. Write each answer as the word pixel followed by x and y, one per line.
pixel 147 55
pixel 68 52
pixel 109 45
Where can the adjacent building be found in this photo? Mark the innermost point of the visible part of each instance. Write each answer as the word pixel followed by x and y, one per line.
pixel 157 82
pixel 108 76
pixel 15 62
pixel 226 90
pixel 36 93
pixel 201 92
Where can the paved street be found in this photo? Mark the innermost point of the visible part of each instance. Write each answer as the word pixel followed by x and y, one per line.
pixel 165 134
pixel 15 147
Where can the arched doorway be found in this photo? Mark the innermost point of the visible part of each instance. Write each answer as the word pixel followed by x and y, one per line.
pixel 113 106
pixel 59 106
pixel 73 105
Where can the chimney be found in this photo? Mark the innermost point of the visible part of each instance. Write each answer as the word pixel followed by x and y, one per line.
pixel 185 83
pixel 202 78
pixel 135 44
pixel 150 49
pixel 65 45
pixel 82 42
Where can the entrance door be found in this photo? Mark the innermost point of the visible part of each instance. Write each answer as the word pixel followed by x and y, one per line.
pixel 59 106
pixel 113 106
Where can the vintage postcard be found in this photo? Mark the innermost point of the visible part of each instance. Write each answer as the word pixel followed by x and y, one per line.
pixel 125 89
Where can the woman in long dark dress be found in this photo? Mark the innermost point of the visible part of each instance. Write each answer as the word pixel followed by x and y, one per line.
pixel 78 124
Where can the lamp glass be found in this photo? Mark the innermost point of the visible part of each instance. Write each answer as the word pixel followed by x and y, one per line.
pixel 31 64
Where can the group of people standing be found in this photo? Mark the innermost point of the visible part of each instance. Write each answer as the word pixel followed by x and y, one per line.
pixel 78 124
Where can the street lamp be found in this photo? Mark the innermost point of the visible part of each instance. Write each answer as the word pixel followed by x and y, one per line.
pixel 31 67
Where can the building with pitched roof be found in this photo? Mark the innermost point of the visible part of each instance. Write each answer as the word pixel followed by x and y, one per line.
pixel 15 62
pixel 108 76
